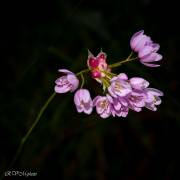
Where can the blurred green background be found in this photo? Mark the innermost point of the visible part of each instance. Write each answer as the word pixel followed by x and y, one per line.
pixel 41 37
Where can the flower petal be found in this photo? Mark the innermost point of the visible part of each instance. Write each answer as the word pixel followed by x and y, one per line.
pixel 155 92
pixel 139 83
pixel 110 99
pixel 150 65
pixel 151 57
pixel 155 47
pixel 85 95
pixel 73 81
pixel 61 80
pixel 88 108
pixel 79 108
pixel 141 43
pixel 136 38
pixel 124 114
pixel 145 51
pixel 151 106
pixel 110 90
pixel 95 100
pixel 99 106
pixel 117 105
pixel 157 100
pixel 77 99
pixel 106 114
pixel 123 101
pixel 61 89
pixel 123 76
pixel 65 71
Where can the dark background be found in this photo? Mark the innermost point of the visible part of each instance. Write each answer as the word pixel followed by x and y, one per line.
pixel 39 38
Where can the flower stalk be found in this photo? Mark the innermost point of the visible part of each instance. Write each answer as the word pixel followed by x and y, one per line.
pixel 24 139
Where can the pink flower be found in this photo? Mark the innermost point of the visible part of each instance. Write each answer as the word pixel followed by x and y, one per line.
pixel 142 96
pixel 83 101
pixel 139 40
pixel 149 54
pixel 68 82
pixel 152 98
pixel 136 100
pixel 103 105
pixel 146 49
pixel 120 107
pixel 120 86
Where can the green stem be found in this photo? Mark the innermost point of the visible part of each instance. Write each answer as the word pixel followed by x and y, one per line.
pixel 83 71
pixel 109 74
pixel 106 82
pixel 121 62
pixel 82 77
pixel 24 139
pixel 128 59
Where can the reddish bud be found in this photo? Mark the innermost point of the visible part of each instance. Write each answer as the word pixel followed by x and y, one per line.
pixel 102 56
pixel 96 74
pixel 93 62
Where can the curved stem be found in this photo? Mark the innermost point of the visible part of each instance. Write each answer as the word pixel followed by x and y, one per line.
pixel 24 139
pixel 82 77
pixel 124 61
pixel 83 71
pixel 121 62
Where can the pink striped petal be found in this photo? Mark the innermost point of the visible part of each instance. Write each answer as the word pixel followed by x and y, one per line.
pixel 65 71
pixel 150 65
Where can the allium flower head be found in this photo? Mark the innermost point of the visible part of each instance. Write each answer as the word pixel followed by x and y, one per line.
pixel 83 101
pixel 68 82
pixel 119 94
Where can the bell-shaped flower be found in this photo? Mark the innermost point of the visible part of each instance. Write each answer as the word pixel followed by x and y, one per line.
pixel 119 86
pixel 139 40
pixel 83 101
pixel 120 107
pixel 103 105
pixel 149 54
pixel 68 82
pixel 153 98
pixel 136 100
pixel 146 49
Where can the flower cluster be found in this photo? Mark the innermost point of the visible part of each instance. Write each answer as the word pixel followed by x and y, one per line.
pixel 119 92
